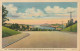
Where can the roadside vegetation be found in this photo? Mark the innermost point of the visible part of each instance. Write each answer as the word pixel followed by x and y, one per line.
pixel 74 28
pixel 71 26
pixel 5 30
pixel 8 32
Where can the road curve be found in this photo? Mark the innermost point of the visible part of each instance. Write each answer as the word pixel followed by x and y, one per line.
pixel 47 39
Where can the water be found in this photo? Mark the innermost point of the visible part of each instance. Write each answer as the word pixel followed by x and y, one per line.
pixel 44 27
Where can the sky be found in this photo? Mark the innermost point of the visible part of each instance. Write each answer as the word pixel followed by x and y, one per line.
pixel 40 12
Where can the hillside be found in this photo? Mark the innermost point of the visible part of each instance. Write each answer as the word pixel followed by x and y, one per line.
pixel 8 32
pixel 74 28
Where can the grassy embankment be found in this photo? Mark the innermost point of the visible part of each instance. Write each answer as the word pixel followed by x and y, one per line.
pixel 8 32
pixel 74 28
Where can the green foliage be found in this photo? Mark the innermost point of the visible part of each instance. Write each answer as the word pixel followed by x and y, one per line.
pixel 23 28
pixel 8 32
pixel 4 14
pixel 27 26
pixel 74 28
pixel 76 21
pixel 15 26
pixel 70 22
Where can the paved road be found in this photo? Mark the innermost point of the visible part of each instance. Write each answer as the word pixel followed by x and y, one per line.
pixel 47 39
pixel 6 41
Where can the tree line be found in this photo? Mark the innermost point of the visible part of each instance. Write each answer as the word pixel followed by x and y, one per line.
pixel 26 28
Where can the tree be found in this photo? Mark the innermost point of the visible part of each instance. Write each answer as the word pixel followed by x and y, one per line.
pixel 4 14
pixel 23 28
pixel 76 21
pixel 15 26
pixel 66 25
pixel 70 22
pixel 27 26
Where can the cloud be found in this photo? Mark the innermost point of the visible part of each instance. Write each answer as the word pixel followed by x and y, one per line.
pixel 33 12
pixel 30 12
pixel 57 9
pixel 11 9
pixel 69 9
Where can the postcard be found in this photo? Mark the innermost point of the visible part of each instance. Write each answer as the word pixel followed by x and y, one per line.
pixel 49 25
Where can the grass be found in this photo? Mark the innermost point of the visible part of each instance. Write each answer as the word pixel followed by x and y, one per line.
pixel 74 28
pixel 8 32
